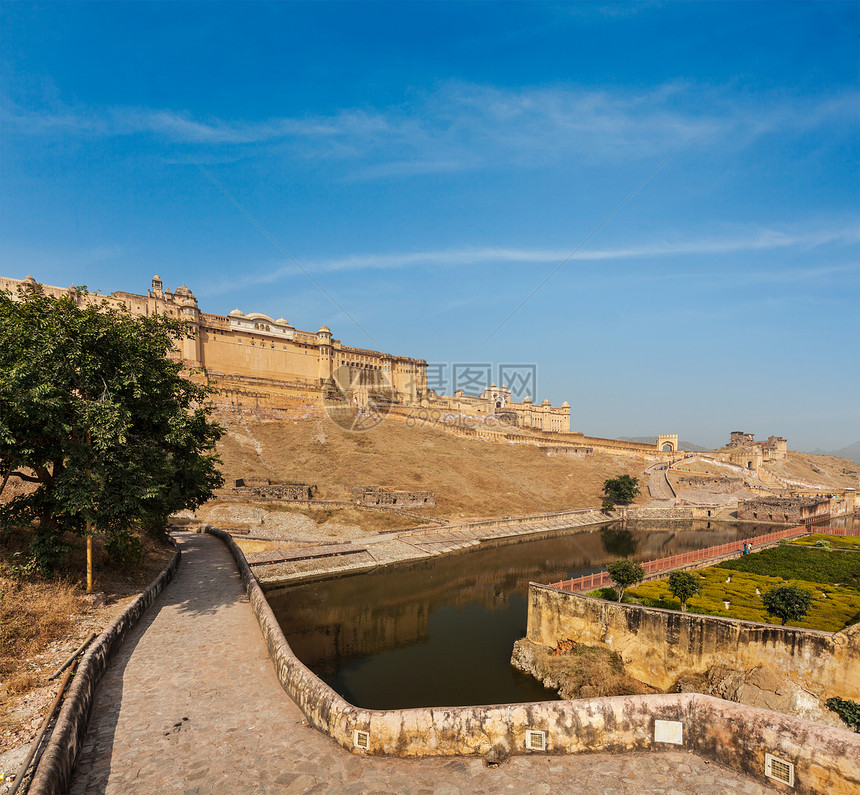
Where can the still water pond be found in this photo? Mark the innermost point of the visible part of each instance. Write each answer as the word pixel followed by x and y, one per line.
pixel 440 632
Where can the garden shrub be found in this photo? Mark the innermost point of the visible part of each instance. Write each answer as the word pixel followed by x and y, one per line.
pixel 846 709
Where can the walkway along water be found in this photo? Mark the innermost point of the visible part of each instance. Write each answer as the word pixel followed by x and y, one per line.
pixel 191 703
pixel 656 569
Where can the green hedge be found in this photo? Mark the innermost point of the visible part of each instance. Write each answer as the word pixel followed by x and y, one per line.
pixel 801 563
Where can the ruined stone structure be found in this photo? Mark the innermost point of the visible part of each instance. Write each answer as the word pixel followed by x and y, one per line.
pixel 377 495
pixel 796 510
pixel 263 487
pixel 744 451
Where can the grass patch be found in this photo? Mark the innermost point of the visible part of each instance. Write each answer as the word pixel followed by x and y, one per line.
pixel 250 546
pixel 833 607
pixel 583 671
pixel 836 542
pixel 793 562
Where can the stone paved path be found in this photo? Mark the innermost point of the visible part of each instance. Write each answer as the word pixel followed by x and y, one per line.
pixel 191 705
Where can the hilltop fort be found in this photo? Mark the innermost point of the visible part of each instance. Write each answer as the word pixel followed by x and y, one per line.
pixel 262 363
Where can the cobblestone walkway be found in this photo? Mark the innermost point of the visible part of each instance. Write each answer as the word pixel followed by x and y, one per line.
pixel 191 705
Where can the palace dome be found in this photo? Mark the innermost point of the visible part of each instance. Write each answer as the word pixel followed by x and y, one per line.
pixel 237 313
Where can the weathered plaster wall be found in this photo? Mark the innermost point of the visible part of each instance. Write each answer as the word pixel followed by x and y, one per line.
pixel 825 759
pixel 658 646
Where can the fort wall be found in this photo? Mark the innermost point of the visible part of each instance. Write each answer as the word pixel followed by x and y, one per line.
pixel 658 646
pixel 256 361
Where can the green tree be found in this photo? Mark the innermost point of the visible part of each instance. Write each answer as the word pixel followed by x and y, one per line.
pixel 97 416
pixel 684 585
pixel 788 602
pixel 624 573
pixel 622 489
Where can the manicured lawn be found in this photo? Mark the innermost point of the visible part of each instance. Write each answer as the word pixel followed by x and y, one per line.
pixel 832 576
pixel 837 542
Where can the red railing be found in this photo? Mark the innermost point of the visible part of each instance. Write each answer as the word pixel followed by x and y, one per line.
pixel 836 531
pixel 601 578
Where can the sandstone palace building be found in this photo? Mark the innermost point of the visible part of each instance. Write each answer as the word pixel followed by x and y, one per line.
pixel 256 360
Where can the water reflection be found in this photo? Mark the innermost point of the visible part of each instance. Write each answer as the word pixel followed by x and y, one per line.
pixel 439 632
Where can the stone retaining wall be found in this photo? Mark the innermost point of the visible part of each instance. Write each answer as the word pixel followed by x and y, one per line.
pixel 658 646
pixel 825 759
pixel 54 772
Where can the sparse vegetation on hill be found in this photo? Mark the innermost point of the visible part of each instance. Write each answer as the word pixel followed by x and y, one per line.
pixel 471 478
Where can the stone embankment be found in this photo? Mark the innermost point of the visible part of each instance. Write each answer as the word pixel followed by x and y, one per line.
pixel 287 566
pixel 660 646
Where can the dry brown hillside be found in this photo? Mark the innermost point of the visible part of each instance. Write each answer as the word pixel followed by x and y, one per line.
pixel 819 471
pixel 470 477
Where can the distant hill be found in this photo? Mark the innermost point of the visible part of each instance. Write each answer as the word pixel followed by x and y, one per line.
pixel 689 446
pixel 852 452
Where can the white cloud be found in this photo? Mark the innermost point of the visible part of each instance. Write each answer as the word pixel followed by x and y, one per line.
pixel 464 126
pixel 753 240
pixel 735 241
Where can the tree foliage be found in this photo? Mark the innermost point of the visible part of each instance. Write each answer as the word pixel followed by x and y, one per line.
pixel 95 414
pixel 624 573
pixel 788 602
pixel 846 709
pixel 622 489
pixel 684 585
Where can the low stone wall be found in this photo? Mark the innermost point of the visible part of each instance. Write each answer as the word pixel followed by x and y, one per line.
pixel 824 759
pixel 380 496
pixel 643 512
pixel 54 772
pixel 658 646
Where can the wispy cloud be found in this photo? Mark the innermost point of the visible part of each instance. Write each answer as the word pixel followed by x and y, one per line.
pixel 463 126
pixel 755 240
pixel 748 240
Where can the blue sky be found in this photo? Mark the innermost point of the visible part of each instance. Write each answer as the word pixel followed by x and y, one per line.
pixel 430 165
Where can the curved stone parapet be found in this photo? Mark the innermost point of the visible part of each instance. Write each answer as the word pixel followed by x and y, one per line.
pixel 822 759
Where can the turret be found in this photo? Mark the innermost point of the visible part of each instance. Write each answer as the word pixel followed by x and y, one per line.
pixel 325 353
pixel 190 313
